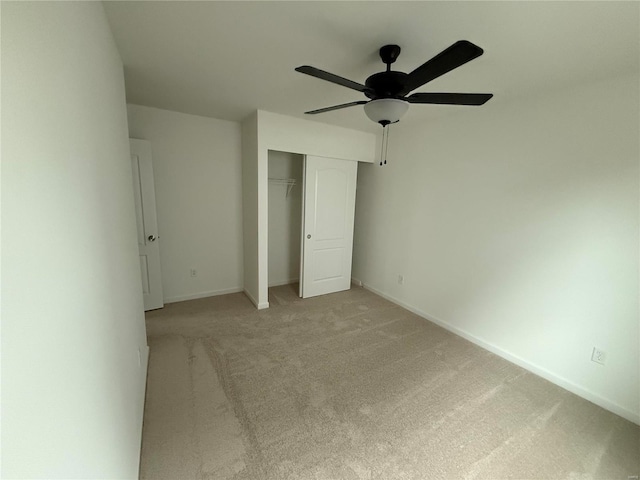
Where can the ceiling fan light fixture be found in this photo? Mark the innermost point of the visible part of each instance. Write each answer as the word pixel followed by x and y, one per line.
pixel 386 110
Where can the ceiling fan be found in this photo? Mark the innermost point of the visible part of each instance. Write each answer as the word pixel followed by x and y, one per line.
pixel 387 91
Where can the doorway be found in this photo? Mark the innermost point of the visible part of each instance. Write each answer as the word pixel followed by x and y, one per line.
pixel 311 203
pixel 329 200
pixel 146 219
pixel 285 217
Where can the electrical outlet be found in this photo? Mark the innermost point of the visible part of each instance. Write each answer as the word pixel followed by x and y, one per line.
pixel 400 279
pixel 598 356
pixel 193 272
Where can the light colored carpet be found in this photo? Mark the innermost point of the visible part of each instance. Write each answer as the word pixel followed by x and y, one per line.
pixel 350 386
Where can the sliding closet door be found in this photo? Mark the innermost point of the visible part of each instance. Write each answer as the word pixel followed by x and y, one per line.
pixel 328 213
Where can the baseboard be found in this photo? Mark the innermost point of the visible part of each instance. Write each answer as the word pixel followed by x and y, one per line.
pixel 145 369
pixel 259 306
pixel 358 283
pixel 194 296
pixel 284 282
pixel 145 372
pixel 145 361
pixel 541 372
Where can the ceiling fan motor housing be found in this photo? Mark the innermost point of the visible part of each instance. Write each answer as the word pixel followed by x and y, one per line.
pixel 385 85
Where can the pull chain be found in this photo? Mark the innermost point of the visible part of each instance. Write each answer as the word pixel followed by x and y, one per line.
pixel 386 148
pixel 385 144
pixel 384 131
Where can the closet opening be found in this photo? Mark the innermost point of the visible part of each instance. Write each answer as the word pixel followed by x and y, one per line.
pixel 284 223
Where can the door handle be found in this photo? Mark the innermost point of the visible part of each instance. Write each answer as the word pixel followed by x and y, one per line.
pixel 151 238
pixel 308 236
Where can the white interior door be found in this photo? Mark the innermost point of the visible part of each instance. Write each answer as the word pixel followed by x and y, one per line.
pixel 148 240
pixel 328 214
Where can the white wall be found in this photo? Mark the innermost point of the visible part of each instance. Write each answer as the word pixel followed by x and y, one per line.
pixel 250 232
pixel 285 218
pixel 197 170
pixel 516 225
pixel 72 314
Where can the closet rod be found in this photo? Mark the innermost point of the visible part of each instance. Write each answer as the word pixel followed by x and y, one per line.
pixel 289 182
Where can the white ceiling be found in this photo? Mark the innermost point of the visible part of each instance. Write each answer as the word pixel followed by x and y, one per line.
pixel 227 59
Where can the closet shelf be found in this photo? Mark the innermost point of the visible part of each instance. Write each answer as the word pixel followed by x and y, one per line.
pixel 289 182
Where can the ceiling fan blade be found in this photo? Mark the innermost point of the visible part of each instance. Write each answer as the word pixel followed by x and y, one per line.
pixel 456 55
pixel 337 107
pixel 450 98
pixel 330 77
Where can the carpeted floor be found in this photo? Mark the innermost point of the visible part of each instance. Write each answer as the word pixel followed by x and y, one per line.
pixel 351 386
